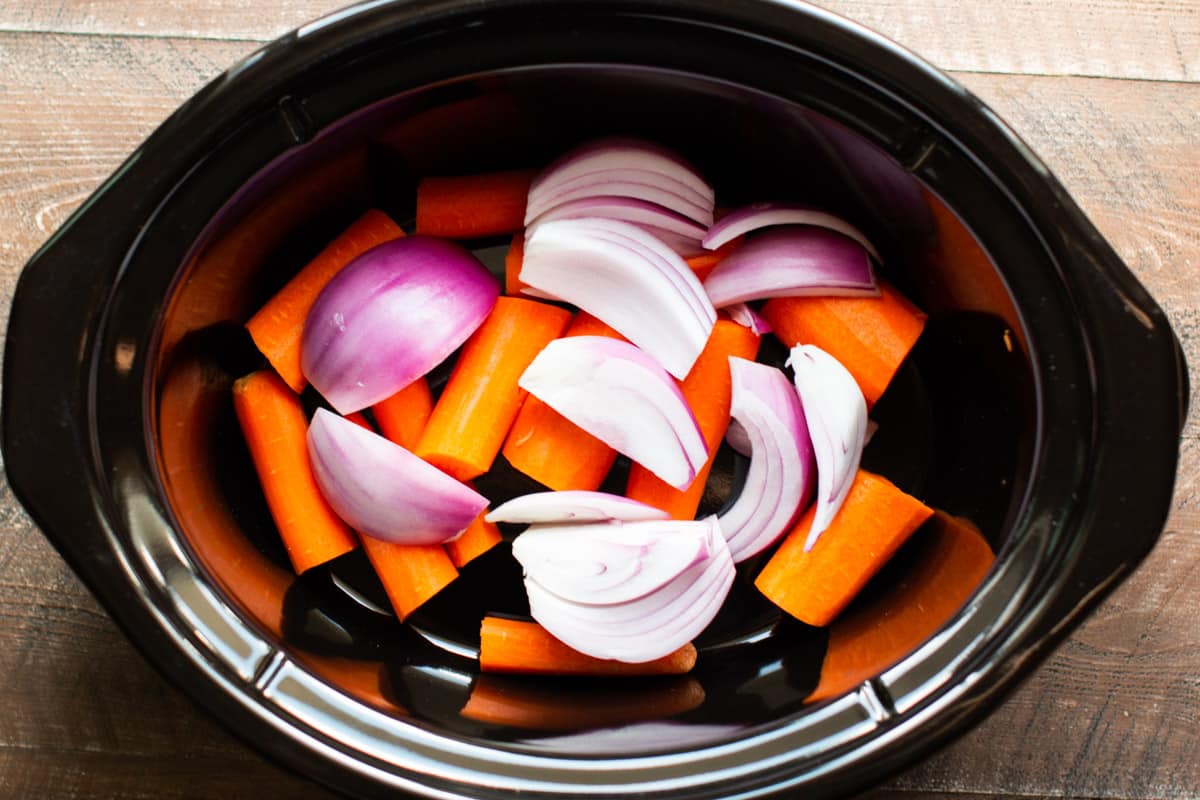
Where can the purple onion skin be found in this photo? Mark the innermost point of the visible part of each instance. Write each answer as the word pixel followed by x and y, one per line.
pixel 390 316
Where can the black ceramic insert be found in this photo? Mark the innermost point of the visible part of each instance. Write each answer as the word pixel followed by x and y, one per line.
pixel 1012 411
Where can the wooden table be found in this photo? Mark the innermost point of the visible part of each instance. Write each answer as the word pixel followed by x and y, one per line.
pixel 1104 90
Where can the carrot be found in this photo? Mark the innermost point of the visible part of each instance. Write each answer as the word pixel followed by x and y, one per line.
pixel 950 559
pixel 872 523
pixel 481 399
pixel 707 390
pixel 479 537
pixel 870 335
pixel 276 432
pixel 410 573
pixel 471 206
pixel 512 266
pixel 552 706
pixel 278 325
pixel 704 263
pixel 358 419
pixel 402 417
pixel 508 645
pixel 550 448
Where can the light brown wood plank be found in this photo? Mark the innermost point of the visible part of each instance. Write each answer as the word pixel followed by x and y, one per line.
pixel 1148 39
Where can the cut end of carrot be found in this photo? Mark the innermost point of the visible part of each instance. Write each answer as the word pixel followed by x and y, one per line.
pixel 410 574
pixel 703 264
pixel 479 537
pixel 870 336
pixel 815 586
pixel 403 416
pixel 512 266
pixel 517 646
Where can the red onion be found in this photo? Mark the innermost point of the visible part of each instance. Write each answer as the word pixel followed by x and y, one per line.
pixel 606 564
pixel 384 491
pixel 791 261
pixel 621 396
pixel 648 216
pixel 390 316
pixel 625 277
pixel 837 422
pixel 782 471
pixel 747 317
pixel 622 168
pixel 573 506
pixel 762 215
pixel 645 628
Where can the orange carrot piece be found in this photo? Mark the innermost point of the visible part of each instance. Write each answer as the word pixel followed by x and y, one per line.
pixel 479 537
pixel 517 702
pixel 358 419
pixel 481 399
pixel 706 262
pixel 278 325
pixel 402 417
pixel 471 206
pixel 707 389
pixel 872 523
pixel 512 266
pixel 870 335
pixel 550 448
pixel 507 645
pixel 276 431
pixel 410 573
pixel 951 560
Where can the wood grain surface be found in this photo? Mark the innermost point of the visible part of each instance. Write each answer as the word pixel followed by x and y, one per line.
pixel 1105 91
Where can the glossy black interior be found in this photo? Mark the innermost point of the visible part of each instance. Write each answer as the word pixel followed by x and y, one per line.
pixel 1014 410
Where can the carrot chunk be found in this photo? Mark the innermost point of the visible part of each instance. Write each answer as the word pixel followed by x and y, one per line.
pixel 872 523
pixel 704 263
pixel 707 389
pixel 403 416
pixel 513 260
pixel 277 327
pixel 481 399
pixel 951 560
pixel 870 335
pixel 471 206
pixel 476 540
pixel 550 448
pixel 276 430
pixel 507 645
pixel 410 573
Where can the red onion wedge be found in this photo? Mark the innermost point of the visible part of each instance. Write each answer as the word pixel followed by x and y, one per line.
pixel 390 316
pixel 573 506
pixel 791 261
pixel 837 422
pixel 605 564
pixel 675 230
pixel 622 168
pixel 621 396
pixel 625 277
pixel 761 215
pixel 650 626
pixel 782 470
pixel 384 491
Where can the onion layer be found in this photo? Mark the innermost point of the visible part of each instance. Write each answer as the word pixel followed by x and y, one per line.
pixel 761 215
pixel 384 491
pixel 621 396
pixel 390 316
pixel 573 506
pixel 626 278
pixel 650 626
pixel 619 167
pixel 791 261
pixel 655 219
pixel 837 423
pixel 781 476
